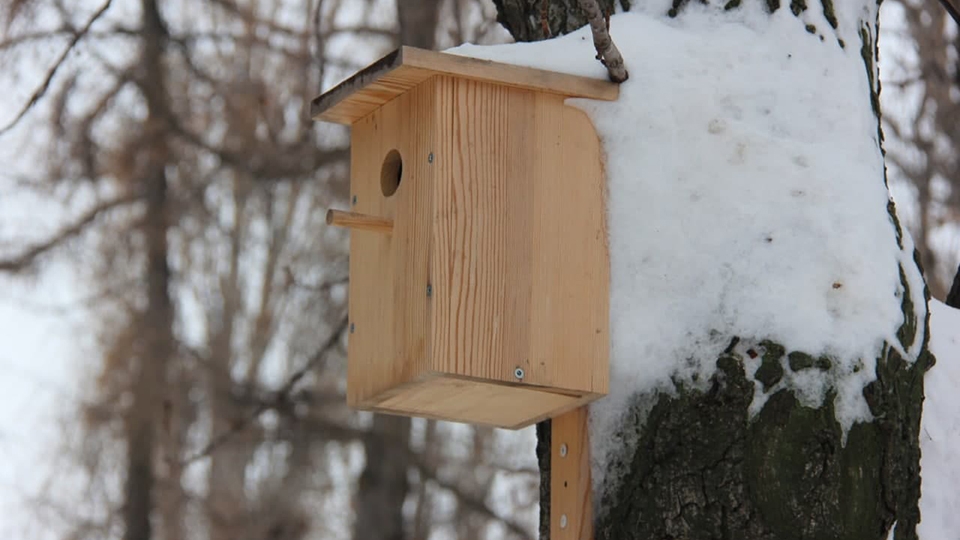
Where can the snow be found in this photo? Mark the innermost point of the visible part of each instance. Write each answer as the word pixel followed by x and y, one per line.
pixel 746 198
pixel 940 430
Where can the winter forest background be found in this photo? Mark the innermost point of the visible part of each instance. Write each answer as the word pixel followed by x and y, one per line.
pixel 257 441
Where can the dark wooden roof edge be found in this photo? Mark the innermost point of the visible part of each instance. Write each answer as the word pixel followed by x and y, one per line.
pixel 360 79
pixel 431 63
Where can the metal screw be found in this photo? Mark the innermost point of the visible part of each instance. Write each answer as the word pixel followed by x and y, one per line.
pixel 430 158
pixel 518 373
pixel 354 200
pixel 429 290
pixel 563 450
pixel 563 521
pixel 351 328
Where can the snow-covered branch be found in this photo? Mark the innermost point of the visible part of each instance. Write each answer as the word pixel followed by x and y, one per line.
pixel 607 52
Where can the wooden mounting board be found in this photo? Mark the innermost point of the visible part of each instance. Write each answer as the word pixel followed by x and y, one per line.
pixel 407 67
pixel 571 490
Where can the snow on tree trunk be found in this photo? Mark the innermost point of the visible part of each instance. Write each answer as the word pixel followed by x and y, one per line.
pixel 769 320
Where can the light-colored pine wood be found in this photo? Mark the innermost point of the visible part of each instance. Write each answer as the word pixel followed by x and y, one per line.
pixel 570 311
pixel 497 258
pixel 475 401
pixel 520 263
pixel 361 222
pixel 407 67
pixel 571 501
pixel 388 301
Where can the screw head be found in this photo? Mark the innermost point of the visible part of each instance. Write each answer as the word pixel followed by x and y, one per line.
pixel 430 157
pixel 519 373
pixel 354 200
pixel 563 521
pixel 352 328
pixel 429 290
pixel 563 450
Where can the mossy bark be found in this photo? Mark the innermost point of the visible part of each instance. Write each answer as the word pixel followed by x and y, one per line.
pixel 704 469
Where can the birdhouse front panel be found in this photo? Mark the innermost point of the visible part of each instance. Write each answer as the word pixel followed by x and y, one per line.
pixel 483 294
pixel 389 301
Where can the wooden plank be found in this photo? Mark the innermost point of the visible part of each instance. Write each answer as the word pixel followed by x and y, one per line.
pixel 407 67
pixel 520 263
pixel 570 297
pixel 476 401
pixel 415 120
pixel 481 230
pixel 388 302
pixel 571 499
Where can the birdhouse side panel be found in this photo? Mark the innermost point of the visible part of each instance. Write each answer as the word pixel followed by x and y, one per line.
pixel 391 177
pixel 482 229
pixel 520 245
pixel 570 311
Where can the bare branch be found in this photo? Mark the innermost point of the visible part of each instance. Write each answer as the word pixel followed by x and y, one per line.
pixel 28 256
pixel 45 85
pixel 34 37
pixel 607 52
pixel 280 396
pixel 261 169
pixel 470 502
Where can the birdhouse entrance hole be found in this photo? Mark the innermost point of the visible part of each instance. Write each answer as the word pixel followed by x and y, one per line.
pixel 391 173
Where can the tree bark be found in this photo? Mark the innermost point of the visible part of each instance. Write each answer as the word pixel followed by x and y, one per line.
pixel 704 469
pixel 418 22
pixel 156 348
pixel 536 20
pixel 383 484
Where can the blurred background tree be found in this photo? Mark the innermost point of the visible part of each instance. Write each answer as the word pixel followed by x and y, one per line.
pixel 921 76
pixel 193 185
pixel 163 153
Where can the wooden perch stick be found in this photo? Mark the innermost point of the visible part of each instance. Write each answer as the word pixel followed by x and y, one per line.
pixel 363 222
pixel 607 52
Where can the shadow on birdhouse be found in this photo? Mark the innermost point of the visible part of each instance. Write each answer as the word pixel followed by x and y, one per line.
pixel 479 272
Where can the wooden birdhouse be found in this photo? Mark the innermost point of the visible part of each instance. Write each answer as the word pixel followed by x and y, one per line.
pixel 479 272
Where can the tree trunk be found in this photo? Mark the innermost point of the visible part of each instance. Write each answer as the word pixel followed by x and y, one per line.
pixel 156 348
pixel 703 468
pixel 535 20
pixel 418 22
pixel 383 485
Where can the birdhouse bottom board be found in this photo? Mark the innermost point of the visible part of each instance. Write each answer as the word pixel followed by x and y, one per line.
pixel 480 402
pixel 488 301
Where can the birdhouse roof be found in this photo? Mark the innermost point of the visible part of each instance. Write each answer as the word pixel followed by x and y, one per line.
pixel 407 67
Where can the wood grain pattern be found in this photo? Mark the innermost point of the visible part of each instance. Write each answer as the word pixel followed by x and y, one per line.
pixel 388 299
pixel 362 222
pixel 407 67
pixel 570 310
pixel 570 482
pixel 520 259
pixel 497 258
pixel 475 401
